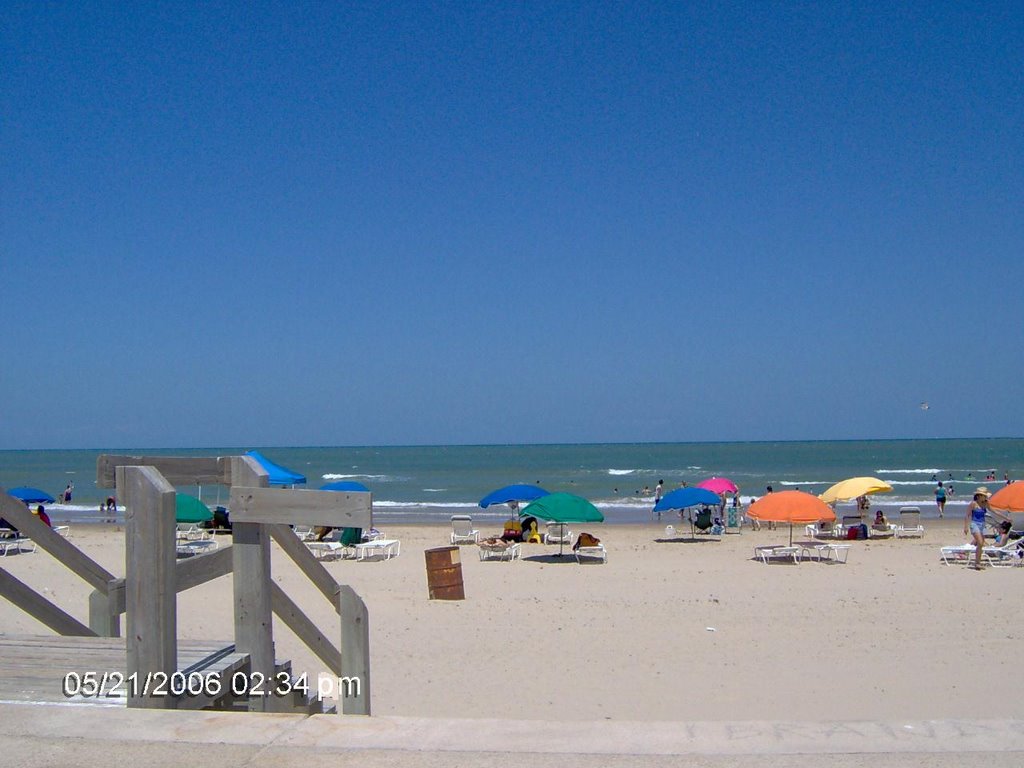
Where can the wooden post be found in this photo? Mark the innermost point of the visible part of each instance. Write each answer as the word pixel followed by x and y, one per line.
pixel 355 652
pixel 150 590
pixel 252 594
pixel 104 613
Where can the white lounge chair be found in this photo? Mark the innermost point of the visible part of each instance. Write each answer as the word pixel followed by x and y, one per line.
pixel 910 523
pixel 191 532
pixel 193 547
pixel 771 552
pixel 15 542
pixel 509 551
pixel 463 531
pixel 596 552
pixel 386 548
pixel 304 532
pixel 558 533
pixel 823 529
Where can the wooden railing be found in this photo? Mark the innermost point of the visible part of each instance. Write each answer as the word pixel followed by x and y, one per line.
pixel 103 622
pixel 258 513
pixel 148 592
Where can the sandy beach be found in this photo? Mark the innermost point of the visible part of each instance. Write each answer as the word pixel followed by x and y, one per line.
pixel 669 630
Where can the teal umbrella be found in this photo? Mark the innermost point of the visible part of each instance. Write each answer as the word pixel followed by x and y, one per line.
pixel 189 509
pixel 563 508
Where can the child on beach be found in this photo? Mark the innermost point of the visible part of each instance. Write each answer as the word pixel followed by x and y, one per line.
pixel 940 498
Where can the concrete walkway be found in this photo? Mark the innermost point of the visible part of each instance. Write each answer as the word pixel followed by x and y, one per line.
pixel 54 735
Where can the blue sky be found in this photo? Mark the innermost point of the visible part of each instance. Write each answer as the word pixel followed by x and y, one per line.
pixel 323 224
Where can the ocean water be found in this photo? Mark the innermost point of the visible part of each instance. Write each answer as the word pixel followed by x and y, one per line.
pixel 426 483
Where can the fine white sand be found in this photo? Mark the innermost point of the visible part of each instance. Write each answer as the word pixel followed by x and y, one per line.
pixel 674 630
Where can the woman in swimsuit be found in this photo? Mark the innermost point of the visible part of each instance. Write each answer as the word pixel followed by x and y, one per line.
pixel 974 522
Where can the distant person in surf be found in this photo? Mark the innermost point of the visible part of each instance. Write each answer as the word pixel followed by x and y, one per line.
pixel 940 498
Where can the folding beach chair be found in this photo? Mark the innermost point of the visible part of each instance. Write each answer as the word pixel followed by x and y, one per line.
pixel 463 531
pixel 909 523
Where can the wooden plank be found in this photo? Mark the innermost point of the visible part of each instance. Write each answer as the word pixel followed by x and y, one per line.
pixel 150 590
pixel 39 607
pixel 305 629
pixel 203 568
pixel 355 649
pixel 301 507
pixel 67 553
pixel 251 583
pixel 307 563
pixel 177 470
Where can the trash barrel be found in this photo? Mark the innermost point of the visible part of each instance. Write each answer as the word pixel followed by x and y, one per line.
pixel 444 574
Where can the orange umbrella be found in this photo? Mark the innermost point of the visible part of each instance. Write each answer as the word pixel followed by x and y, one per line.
pixel 790 507
pixel 1009 498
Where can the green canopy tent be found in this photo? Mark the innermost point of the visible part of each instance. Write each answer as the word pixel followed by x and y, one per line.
pixel 563 508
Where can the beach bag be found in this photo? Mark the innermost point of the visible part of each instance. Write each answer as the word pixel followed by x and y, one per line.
pixel 853 533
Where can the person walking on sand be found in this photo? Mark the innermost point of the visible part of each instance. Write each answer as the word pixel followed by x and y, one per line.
pixel 940 498
pixel 974 522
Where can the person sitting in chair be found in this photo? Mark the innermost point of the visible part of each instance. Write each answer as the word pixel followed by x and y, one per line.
pixel 880 524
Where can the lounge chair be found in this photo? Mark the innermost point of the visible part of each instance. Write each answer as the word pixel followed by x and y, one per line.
pixel 823 529
pixel 386 548
pixel 304 532
pixel 595 552
pixel 463 531
pixel 496 549
pixel 13 541
pixel 848 522
pixel 910 523
pixel 558 533
pixel 1011 553
pixel 339 543
pixel 192 532
pixel 772 552
pixel 190 548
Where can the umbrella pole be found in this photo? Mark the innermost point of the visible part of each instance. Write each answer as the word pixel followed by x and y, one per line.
pixel 791 533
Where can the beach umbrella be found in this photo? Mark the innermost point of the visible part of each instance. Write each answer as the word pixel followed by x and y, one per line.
pixel 30 495
pixel 690 496
pixel 854 487
pixel 278 475
pixel 345 485
pixel 189 509
pixel 790 507
pixel 509 493
pixel 1009 498
pixel 563 508
pixel 719 485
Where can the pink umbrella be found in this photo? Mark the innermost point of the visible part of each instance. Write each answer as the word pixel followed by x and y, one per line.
pixel 719 485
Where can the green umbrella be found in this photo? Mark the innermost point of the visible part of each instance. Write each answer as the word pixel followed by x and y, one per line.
pixel 189 509
pixel 563 508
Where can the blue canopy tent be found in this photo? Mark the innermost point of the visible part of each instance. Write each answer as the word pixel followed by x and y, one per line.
pixel 345 485
pixel 278 475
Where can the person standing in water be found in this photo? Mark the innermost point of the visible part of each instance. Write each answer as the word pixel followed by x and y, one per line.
pixel 940 498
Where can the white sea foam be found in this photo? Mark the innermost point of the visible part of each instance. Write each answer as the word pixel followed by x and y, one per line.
pixel 381 478
pixel 908 471
pixel 621 471
pixel 434 490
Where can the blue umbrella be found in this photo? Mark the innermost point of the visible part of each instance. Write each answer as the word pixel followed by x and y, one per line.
pixel 278 475
pixel 345 485
pixel 31 495
pixel 691 496
pixel 513 493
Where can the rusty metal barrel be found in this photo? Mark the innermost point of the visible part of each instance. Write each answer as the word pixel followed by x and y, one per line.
pixel 444 574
